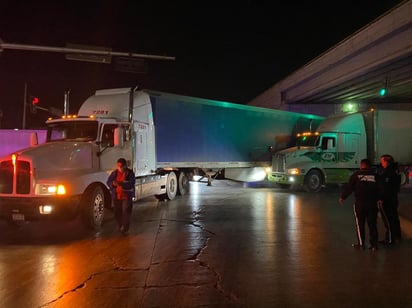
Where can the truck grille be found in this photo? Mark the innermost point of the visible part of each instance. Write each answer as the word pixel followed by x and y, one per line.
pixel 14 180
pixel 278 163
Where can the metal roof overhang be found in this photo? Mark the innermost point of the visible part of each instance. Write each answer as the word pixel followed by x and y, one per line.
pixel 378 55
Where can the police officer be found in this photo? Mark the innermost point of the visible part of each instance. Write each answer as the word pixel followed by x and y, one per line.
pixel 364 184
pixel 390 180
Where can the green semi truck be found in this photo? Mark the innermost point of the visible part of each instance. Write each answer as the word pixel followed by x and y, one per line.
pixel 331 153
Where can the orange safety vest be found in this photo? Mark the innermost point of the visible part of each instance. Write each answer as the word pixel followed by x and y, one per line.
pixel 120 193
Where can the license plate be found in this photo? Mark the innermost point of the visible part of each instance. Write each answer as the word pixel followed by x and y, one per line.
pixel 17 216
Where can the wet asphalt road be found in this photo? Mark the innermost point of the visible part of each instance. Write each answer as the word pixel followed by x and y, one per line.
pixel 221 246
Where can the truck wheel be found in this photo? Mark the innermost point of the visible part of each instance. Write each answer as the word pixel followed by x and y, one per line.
pixel 404 178
pixel 171 186
pixel 183 184
pixel 93 207
pixel 313 181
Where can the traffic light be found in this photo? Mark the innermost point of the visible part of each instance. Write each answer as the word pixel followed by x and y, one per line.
pixel 34 101
pixel 383 91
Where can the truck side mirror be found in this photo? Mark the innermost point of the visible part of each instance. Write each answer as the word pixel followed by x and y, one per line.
pixel 118 137
pixel 34 140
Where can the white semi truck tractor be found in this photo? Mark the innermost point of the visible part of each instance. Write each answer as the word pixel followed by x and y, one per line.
pixel 333 152
pixel 165 138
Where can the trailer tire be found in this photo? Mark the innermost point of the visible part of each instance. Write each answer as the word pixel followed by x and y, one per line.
pixel 183 183
pixel 93 207
pixel 313 181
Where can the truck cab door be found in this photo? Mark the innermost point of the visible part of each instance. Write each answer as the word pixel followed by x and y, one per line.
pixel 108 156
pixel 141 151
pixel 328 150
pixel 109 152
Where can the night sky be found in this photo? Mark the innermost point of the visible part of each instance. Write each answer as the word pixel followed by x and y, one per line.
pixel 228 52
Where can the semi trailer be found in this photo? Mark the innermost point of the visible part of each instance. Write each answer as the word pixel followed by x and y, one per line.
pixel 165 138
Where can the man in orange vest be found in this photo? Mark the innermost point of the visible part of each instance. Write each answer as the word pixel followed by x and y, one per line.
pixel 121 183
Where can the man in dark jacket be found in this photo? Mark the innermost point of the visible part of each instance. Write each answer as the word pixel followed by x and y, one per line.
pixel 364 184
pixel 389 178
pixel 122 188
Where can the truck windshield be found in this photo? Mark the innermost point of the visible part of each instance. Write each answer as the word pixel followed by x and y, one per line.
pixel 72 131
pixel 308 141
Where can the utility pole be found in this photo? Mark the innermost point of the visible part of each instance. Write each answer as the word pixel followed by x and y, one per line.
pixel 24 105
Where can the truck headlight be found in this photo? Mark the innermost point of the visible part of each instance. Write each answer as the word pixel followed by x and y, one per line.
pixel 45 209
pixel 50 189
pixel 294 171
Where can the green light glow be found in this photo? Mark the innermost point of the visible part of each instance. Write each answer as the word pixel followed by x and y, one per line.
pixel 350 107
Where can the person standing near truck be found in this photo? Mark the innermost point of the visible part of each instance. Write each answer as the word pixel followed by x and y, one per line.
pixel 122 188
pixel 364 184
pixel 390 181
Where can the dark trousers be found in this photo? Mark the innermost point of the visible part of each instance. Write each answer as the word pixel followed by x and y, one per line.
pixel 366 213
pixel 390 218
pixel 122 213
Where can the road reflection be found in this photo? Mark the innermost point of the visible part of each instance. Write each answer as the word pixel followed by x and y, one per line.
pixel 221 245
